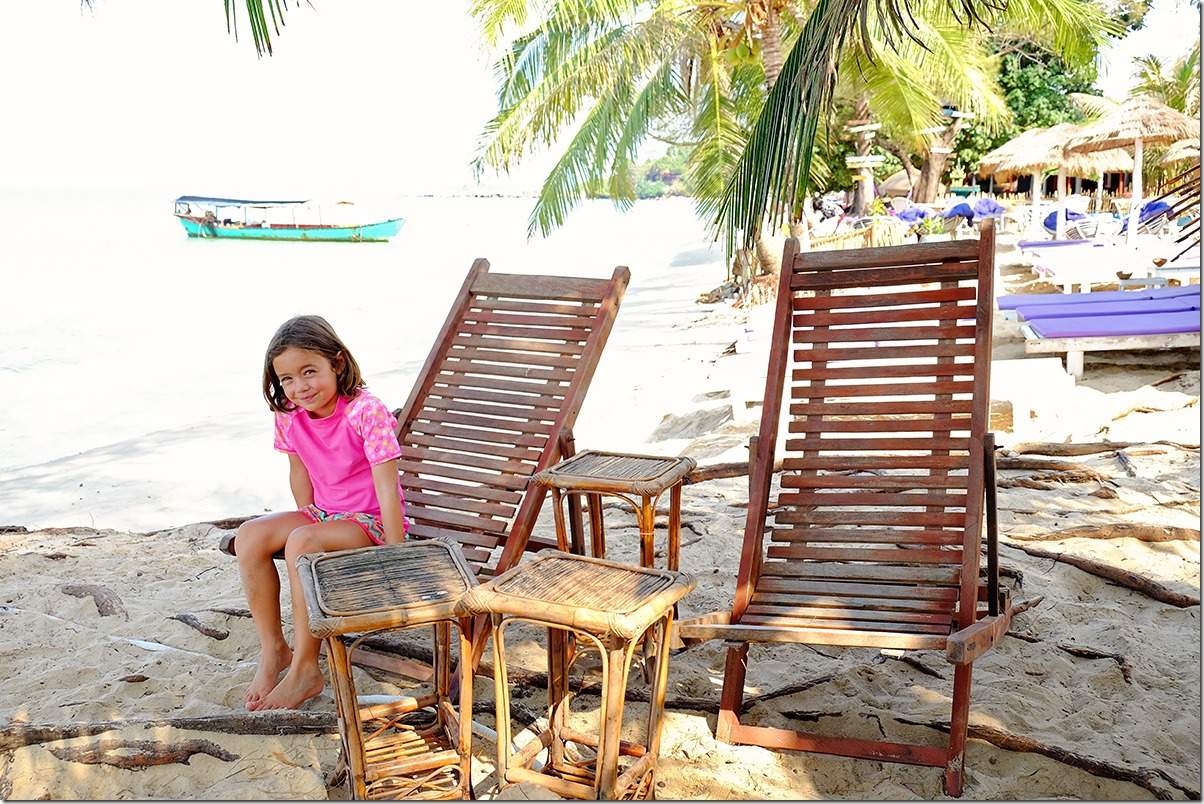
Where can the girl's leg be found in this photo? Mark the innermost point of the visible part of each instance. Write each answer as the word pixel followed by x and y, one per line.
pixel 256 543
pixel 304 678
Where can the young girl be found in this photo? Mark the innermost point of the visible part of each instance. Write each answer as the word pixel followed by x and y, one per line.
pixel 342 454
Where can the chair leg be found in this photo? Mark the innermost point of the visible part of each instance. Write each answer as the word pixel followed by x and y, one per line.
pixel 958 726
pixel 732 699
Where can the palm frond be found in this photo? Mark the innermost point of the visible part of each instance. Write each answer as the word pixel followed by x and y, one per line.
pixel 1093 107
pixel 262 30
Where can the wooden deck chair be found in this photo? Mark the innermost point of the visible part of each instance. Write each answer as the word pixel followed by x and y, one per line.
pixel 495 403
pixel 874 540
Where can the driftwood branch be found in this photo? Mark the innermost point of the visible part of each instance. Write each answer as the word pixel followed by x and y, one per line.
pixel 15 735
pixel 1114 530
pixel 1131 580
pixel 192 622
pixel 717 471
pixel 1034 464
pixel 106 600
pixel 1154 780
pixel 1087 448
pixel 1025 605
pixel 138 754
pixel 1126 670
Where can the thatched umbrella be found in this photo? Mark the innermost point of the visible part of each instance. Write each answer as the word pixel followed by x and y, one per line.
pixel 1039 149
pixel 1182 151
pixel 1139 121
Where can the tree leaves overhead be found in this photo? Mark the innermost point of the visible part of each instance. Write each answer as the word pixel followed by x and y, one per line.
pixel 262 29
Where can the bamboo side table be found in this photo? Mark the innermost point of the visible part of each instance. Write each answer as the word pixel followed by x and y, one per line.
pixel 416 747
pixel 606 605
pixel 638 480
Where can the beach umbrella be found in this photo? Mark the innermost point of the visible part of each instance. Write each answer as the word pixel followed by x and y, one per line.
pixel 1040 149
pixel 1187 150
pixel 1135 123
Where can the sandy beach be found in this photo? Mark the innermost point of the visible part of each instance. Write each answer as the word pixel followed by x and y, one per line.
pixel 1095 691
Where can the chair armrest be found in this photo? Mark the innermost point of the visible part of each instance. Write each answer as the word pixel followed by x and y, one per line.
pixel 966 645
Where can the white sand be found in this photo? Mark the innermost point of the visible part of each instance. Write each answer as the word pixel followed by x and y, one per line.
pixel 65 663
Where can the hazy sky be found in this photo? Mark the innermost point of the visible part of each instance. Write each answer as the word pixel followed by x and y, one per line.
pixel 363 95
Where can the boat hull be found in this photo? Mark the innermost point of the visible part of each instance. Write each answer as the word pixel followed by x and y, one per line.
pixel 367 233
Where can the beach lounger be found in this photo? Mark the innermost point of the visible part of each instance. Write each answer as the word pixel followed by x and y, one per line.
pixel 1010 303
pixel 495 403
pixel 874 539
pixel 1109 331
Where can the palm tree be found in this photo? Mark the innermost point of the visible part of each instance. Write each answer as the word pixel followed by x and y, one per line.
pixel 258 13
pixel 1178 87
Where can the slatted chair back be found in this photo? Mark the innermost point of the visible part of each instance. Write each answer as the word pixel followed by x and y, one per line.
pixel 496 402
pixel 880 364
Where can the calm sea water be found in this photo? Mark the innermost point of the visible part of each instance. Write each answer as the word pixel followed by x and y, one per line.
pixel 116 330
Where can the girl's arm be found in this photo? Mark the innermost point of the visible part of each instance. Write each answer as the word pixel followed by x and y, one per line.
pixel 299 482
pixel 384 478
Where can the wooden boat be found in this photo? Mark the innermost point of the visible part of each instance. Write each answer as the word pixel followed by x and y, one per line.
pixel 202 216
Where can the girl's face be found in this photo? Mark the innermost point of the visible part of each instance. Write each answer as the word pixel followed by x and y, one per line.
pixel 309 380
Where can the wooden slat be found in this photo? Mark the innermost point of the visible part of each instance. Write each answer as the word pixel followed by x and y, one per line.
pixel 741 632
pixel 508 480
pixel 506 340
pixel 855 300
pixel 765 605
pixel 861 277
pixel 862 572
pixel 874 372
pixel 525 415
pixel 459 362
pixel 524 443
pixel 852 517
pixel 459 503
pixel 919 499
pixel 873 481
pixel 551 324
pixel 877 462
pixel 816 424
pixel 463 459
pixel 420 513
pixel 866 554
pixel 531 286
pixel 883 316
pixel 849 604
pixel 463 490
pixel 418 437
pixel 882 389
pixel 867 536
pixel 783 621
pixel 875 444
pixel 475 354
pixel 833 355
pixel 911 254
pixel 453 375
pixel 473 537
pixel 879 334
pixel 544 399
pixel 510 425
pixel 889 408
pixel 855 589
pixel 553 336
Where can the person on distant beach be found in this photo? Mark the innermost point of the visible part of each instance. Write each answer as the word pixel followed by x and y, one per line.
pixel 342 452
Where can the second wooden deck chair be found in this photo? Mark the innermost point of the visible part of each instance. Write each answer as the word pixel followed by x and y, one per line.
pixel 874 540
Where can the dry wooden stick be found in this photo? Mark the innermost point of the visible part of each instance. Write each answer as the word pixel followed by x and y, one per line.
pixel 1126 670
pixel 1025 605
pixel 1086 448
pixel 717 471
pixel 1146 778
pixel 106 600
pixel 1114 530
pixel 1006 462
pixel 789 689
pixel 146 753
pixel 1131 580
pixel 192 622
pixel 15 735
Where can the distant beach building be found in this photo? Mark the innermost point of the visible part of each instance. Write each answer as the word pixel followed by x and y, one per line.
pixel 203 216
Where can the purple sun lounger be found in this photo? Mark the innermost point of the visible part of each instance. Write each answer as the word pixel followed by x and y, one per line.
pixel 1075 335
pixel 1034 299
pixel 1141 307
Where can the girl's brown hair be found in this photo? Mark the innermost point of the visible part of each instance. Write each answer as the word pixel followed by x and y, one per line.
pixel 314 334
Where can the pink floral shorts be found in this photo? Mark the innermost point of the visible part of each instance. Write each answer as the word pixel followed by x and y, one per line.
pixel 371 525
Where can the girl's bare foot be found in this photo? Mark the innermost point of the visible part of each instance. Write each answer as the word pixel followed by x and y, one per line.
pixel 298 686
pixel 271 664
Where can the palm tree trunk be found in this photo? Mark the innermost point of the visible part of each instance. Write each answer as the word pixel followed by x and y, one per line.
pixel 771 47
pixel 863 190
pixel 935 160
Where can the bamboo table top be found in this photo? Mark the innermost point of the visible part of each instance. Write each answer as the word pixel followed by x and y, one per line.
pixel 593 470
pixel 591 594
pixel 386 586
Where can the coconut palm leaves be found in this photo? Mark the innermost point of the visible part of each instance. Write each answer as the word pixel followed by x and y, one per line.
pixel 1177 86
pixel 262 29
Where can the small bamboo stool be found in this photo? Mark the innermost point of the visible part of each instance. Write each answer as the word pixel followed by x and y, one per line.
pixel 638 480
pixel 413 748
pixel 611 606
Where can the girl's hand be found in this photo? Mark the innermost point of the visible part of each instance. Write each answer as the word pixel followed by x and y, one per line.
pixel 384 479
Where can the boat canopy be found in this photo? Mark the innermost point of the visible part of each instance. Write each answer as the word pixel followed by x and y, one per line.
pixel 242 202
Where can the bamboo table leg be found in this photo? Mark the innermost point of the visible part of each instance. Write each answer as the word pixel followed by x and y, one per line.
pixel 647 522
pixel 597 530
pixel 465 708
pixel 617 662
